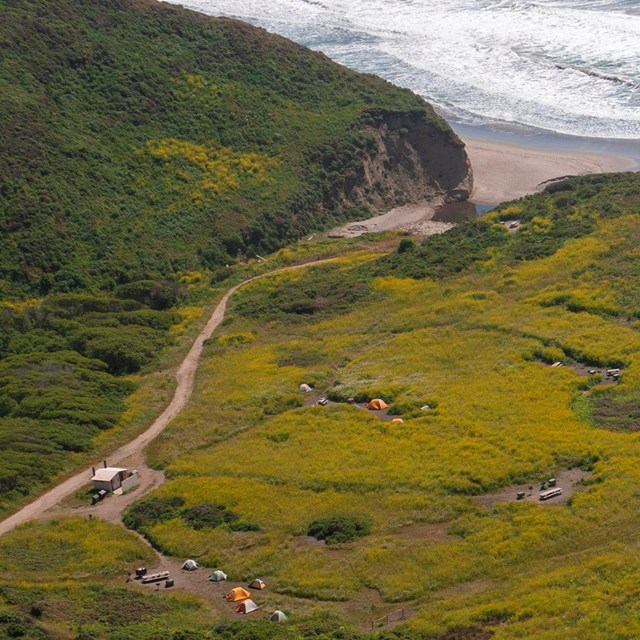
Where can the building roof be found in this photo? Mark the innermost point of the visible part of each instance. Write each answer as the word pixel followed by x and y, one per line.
pixel 107 474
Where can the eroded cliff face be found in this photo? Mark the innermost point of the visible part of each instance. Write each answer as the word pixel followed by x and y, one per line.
pixel 416 157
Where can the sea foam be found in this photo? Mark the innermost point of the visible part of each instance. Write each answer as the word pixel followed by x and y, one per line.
pixel 567 66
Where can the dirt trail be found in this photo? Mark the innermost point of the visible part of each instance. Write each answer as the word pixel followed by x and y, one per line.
pixel 185 376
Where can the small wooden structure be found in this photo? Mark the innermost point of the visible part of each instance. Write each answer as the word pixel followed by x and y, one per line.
pixel 155 577
pixel 112 479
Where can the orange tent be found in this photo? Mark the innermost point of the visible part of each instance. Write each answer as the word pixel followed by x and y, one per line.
pixel 376 404
pixel 237 594
pixel 397 421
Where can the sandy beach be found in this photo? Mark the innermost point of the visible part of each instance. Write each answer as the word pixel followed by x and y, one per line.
pixel 415 218
pixel 504 171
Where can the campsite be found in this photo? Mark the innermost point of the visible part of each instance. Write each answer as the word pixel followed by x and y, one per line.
pixel 425 470
pixel 482 410
pixel 275 361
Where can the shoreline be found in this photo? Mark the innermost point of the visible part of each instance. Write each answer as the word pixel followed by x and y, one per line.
pixel 510 169
pixel 506 166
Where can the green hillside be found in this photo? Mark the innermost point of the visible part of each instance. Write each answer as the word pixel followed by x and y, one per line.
pixel 140 139
pixel 419 515
pixel 143 148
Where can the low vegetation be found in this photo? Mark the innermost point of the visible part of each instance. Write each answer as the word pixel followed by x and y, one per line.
pixel 142 516
pixel 335 529
pixel 463 355
pixel 64 578
pixel 63 382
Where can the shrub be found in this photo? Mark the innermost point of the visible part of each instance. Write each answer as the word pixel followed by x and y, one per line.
pixel 336 529
pixel 406 244
pixel 211 516
pixel 208 516
pixel 124 349
pixel 142 514
pixel 151 293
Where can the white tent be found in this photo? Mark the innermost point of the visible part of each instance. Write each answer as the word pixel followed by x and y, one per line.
pixel 305 388
pixel 190 565
pixel 246 607
pixel 278 616
pixel 218 576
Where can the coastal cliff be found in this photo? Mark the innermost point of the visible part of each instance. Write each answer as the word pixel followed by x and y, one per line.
pixel 415 158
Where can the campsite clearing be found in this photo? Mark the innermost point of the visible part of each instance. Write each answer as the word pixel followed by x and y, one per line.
pixel 569 481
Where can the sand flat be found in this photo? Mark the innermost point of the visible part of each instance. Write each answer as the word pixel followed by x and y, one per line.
pixel 505 171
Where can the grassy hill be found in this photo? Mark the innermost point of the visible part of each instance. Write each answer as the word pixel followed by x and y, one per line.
pixel 474 341
pixel 419 515
pixel 146 145
pixel 142 147
pixel 140 140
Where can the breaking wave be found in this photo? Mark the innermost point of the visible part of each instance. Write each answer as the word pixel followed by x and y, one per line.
pixel 568 66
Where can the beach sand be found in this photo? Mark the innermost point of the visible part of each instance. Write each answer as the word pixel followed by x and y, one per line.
pixel 415 218
pixel 505 171
pixel 502 171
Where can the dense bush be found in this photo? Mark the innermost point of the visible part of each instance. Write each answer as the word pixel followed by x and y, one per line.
pixel 208 516
pixel 154 294
pixel 148 512
pixel 125 349
pixel 142 515
pixel 59 359
pixel 445 255
pixel 340 528
pixel 106 170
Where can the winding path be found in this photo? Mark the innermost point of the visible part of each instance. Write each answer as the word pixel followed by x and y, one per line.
pixel 185 377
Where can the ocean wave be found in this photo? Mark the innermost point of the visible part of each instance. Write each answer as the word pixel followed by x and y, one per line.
pixel 569 66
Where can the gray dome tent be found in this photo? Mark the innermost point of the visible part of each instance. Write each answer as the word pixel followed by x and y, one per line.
pixel 190 565
pixel 218 576
pixel 278 616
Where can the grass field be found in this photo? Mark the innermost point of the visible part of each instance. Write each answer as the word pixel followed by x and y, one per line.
pixel 253 463
pixel 475 347
pixel 65 579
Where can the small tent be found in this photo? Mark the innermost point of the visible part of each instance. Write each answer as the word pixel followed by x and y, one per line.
pixel 376 404
pixel 190 565
pixel 218 576
pixel 305 388
pixel 237 594
pixel 257 584
pixel 278 616
pixel 397 421
pixel 246 607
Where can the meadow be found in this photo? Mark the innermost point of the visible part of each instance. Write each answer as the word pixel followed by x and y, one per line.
pixel 254 465
pixel 64 578
pixel 472 343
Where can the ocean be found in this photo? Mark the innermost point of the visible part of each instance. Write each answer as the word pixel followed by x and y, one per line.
pixel 561 66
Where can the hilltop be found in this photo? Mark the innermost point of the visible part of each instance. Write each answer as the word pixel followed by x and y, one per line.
pixel 141 140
